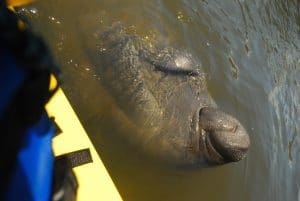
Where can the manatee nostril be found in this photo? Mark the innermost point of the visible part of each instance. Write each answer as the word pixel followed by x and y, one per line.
pixel 225 134
pixel 215 119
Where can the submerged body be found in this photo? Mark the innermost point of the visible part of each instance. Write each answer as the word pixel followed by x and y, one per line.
pixel 163 93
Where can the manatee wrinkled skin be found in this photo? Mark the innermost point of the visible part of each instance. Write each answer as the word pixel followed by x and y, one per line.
pixel 163 93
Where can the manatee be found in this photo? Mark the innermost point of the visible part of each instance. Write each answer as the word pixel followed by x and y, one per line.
pixel 163 93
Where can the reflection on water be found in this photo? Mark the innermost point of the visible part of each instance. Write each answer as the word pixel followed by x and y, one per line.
pixel 250 52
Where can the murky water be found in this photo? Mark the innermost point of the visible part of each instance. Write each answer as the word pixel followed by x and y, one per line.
pixel 250 52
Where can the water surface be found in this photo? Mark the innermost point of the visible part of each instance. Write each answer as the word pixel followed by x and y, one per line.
pixel 250 53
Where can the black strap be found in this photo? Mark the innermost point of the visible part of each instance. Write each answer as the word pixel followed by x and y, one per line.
pixel 65 184
pixel 79 157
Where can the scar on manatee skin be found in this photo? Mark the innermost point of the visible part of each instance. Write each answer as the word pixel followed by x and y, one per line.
pixel 247 47
pixel 291 144
pixel 234 68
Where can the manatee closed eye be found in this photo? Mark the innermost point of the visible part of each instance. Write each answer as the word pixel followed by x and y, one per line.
pixel 173 61
pixel 164 96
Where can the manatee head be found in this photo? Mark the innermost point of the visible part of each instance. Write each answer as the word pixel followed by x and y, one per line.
pixel 162 92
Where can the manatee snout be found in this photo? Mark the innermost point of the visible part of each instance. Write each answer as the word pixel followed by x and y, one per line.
pixel 224 139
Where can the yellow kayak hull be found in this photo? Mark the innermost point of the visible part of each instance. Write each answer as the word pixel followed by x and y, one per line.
pixel 93 178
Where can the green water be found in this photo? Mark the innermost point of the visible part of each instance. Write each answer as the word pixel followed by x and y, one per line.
pixel 250 53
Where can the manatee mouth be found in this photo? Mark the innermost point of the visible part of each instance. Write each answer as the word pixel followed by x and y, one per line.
pixel 211 153
pixel 222 138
